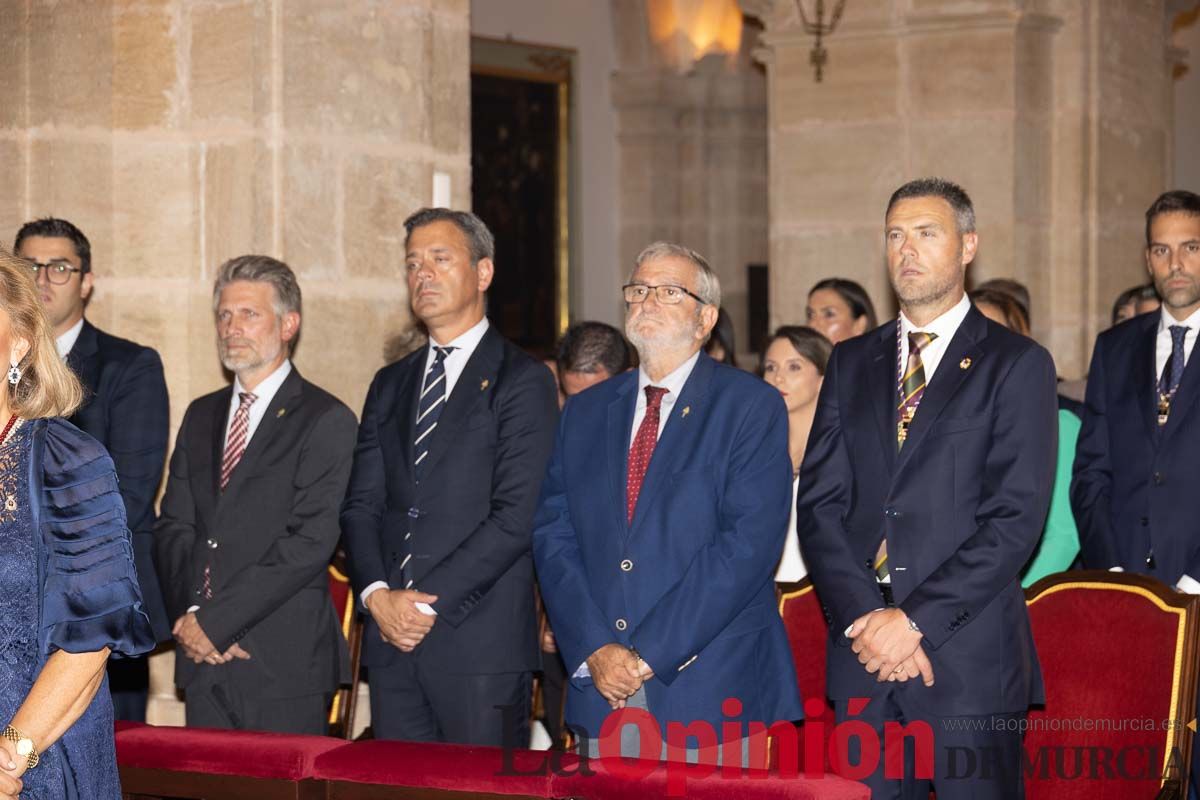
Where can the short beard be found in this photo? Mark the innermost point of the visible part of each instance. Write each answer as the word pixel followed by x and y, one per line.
pixel 922 297
pixel 650 348
pixel 250 362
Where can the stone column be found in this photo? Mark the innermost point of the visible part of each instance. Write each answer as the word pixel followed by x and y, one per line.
pixel 1052 114
pixel 692 155
pixel 179 133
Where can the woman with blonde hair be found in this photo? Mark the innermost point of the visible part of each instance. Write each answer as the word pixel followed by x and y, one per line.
pixel 68 591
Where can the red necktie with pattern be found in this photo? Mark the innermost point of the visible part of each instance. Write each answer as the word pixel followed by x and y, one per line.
pixel 643 448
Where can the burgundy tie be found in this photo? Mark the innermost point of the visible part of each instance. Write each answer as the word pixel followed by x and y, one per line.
pixel 235 445
pixel 643 448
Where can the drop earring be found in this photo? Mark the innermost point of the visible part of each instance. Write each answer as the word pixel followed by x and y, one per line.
pixel 14 375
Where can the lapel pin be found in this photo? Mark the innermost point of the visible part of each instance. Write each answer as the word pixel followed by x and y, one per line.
pixel 686 410
pixel 280 412
pixel 484 384
pixel 966 362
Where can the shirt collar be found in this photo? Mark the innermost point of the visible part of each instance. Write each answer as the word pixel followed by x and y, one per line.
pixel 1165 320
pixel 944 326
pixel 266 389
pixel 65 342
pixel 673 382
pixel 467 341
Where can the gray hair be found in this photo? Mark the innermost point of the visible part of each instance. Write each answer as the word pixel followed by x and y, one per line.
pixel 708 286
pixel 262 269
pixel 479 239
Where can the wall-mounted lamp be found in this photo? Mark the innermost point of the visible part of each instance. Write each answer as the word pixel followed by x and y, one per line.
pixel 684 31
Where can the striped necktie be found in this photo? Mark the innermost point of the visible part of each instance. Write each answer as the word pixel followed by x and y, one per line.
pixel 429 407
pixel 1172 374
pixel 235 448
pixel 912 389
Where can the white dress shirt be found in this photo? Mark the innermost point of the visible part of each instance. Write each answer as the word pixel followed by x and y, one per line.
pixel 791 564
pixel 1163 343
pixel 1162 351
pixel 944 326
pixel 464 346
pixel 64 343
pixel 264 393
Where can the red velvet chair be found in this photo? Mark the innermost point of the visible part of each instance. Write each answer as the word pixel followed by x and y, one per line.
pixel 1116 650
pixel 384 770
pixel 655 780
pixel 808 634
pixel 345 700
pixel 175 762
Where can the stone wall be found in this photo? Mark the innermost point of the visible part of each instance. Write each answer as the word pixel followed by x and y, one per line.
pixel 178 133
pixel 1053 114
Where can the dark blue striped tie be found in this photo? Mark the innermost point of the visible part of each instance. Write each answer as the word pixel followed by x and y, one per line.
pixel 429 408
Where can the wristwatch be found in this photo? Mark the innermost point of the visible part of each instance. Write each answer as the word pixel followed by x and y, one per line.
pixel 24 744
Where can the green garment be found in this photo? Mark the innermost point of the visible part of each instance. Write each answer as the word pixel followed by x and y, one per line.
pixel 1060 538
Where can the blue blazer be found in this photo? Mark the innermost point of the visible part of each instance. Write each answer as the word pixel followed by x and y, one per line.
pixel 961 505
pixel 470 517
pixel 126 410
pixel 696 596
pixel 1134 484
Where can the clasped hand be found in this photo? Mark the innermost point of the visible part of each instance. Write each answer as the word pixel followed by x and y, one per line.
pixel 198 647
pixel 617 673
pixel 12 767
pixel 887 645
pixel 401 623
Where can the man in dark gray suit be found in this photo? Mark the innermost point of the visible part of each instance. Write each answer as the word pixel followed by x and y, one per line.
pixel 250 519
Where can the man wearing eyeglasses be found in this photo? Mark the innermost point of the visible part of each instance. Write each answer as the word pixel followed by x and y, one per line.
pixel 661 519
pixel 125 409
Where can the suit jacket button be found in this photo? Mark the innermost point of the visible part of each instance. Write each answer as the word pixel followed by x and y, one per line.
pixel 1159 479
pixel 621 624
pixel 626 565
pixel 212 545
pixel 1145 521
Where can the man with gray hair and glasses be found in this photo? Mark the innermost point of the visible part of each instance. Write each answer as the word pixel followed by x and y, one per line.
pixel 660 523
pixel 250 520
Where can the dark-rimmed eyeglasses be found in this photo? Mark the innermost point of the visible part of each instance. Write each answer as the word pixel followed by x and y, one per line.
pixel 667 294
pixel 57 272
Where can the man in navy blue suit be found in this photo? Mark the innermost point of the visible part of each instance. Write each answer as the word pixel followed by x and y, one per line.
pixel 662 515
pixel 125 409
pixel 922 494
pixel 438 516
pixel 1134 489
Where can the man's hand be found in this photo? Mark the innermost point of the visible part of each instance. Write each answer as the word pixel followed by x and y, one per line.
pixel 917 665
pixel 548 643
pixel 401 623
pixel 12 767
pixel 644 671
pixel 883 641
pixel 194 641
pixel 614 670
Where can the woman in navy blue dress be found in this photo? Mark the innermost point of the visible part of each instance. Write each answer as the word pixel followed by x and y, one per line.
pixel 68 591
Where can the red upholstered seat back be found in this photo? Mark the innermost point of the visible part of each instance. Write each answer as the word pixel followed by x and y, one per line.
pixel 250 754
pixel 808 635
pixel 1110 654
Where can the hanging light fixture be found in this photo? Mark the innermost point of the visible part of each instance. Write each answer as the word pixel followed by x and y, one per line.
pixel 819 28
pixel 684 31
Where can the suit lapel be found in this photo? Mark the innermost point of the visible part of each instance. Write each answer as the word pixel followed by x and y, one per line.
pixel 620 429
pixel 881 389
pixel 1145 377
pixel 408 394
pixel 687 416
pixel 476 383
pixel 219 420
pixel 84 357
pixel 284 401
pixel 945 382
